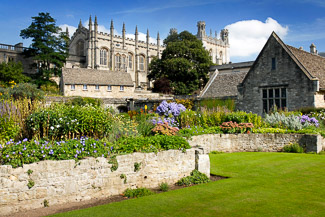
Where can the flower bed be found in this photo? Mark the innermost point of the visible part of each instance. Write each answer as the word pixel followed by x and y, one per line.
pixel 25 152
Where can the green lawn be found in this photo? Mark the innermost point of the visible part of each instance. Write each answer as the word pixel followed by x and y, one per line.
pixel 261 184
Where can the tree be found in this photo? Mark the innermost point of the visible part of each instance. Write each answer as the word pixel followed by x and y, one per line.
pixel 12 72
pixel 184 62
pixel 49 46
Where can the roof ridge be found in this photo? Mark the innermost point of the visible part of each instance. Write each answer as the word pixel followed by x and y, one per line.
pixel 299 50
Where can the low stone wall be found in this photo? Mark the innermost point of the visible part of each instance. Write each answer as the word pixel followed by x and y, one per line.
pixel 66 181
pixel 256 142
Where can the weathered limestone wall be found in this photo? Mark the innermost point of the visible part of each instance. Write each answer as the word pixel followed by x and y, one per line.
pixel 256 142
pixel 67 181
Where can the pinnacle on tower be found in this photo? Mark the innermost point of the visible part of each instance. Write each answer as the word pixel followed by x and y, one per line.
pixel 158 37
pixel 147 34
pixel 112 24
pixel 80 24
pixel 90 23
pixel 123 29
pixel 136 29
pixel 96 21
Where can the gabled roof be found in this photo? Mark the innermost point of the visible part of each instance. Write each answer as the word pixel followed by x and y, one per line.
pixel 223 84
pixel 95 77
pixel 312 65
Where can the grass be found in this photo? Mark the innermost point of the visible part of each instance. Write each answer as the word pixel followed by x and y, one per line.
pixel 260 184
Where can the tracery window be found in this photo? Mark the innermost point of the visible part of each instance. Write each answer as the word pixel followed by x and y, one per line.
pixel 117 62
pixel 103 57
pixel 130 61
pixel 123 62
pixel 80 48
pixel 141 63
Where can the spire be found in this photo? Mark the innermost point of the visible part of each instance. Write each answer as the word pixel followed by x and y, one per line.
pixel 90 23
pixel 158 37
pixel 80 24
pixel 136 30
pixel 215 34
pixel 123 35
pixel 112 24
pixel 123 30
pixel 96 24
pixel 210 32
pixel 148 36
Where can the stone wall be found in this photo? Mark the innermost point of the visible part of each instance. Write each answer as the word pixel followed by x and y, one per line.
pixel 66 181
pixel 256 142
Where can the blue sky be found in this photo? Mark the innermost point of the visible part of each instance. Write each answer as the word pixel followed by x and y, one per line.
pixel 298 22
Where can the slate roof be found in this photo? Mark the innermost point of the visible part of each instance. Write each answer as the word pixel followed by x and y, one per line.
pixel 95 77
pixel 313 63
pixel 223 84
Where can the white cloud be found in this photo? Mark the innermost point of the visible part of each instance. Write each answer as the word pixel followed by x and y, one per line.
pixel 142 37
pixel 248 37
pixel 71 29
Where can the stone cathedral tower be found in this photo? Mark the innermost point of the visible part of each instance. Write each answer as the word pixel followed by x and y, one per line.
pixel 218 48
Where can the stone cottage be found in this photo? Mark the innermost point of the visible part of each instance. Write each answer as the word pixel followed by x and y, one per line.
pixel 285 77
pixel 96 83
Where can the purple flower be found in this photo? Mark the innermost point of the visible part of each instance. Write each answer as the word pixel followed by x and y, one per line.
pixel 76 155
pixel 95 151
pixel 25 140
pixel 7 155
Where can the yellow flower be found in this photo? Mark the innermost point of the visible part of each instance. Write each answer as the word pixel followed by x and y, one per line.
pixel 145 107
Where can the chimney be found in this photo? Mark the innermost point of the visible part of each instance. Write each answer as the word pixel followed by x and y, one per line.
pixel 313 49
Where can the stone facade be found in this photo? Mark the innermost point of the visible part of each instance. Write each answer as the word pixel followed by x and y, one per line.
pixel 256 142
pixel 283 76
pixel 218 48
pixel 92 49
pixel 68 181
pixel 14 53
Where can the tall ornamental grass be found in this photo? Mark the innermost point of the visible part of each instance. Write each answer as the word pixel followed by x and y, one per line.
pixel 13 114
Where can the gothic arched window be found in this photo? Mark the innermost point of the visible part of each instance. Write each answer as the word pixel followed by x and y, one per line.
pixel 123 62
pixel 80 48
pixel 130 61
pixel 103 56
pixel 141 62
pixel 117 62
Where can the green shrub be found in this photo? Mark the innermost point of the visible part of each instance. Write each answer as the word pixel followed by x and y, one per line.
pixel 194 131
pixel 233 127
pixel 196 177
pixel 144 122
pixel 243 117
pixel 21 91
pixel 280 120
pixel 164 187
pixel 293 148
pixel 63 121
pixel 50 87
pixel 9 129
pixel 139 192
pixel 229 104
pixel 82 101
pixel 151 144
